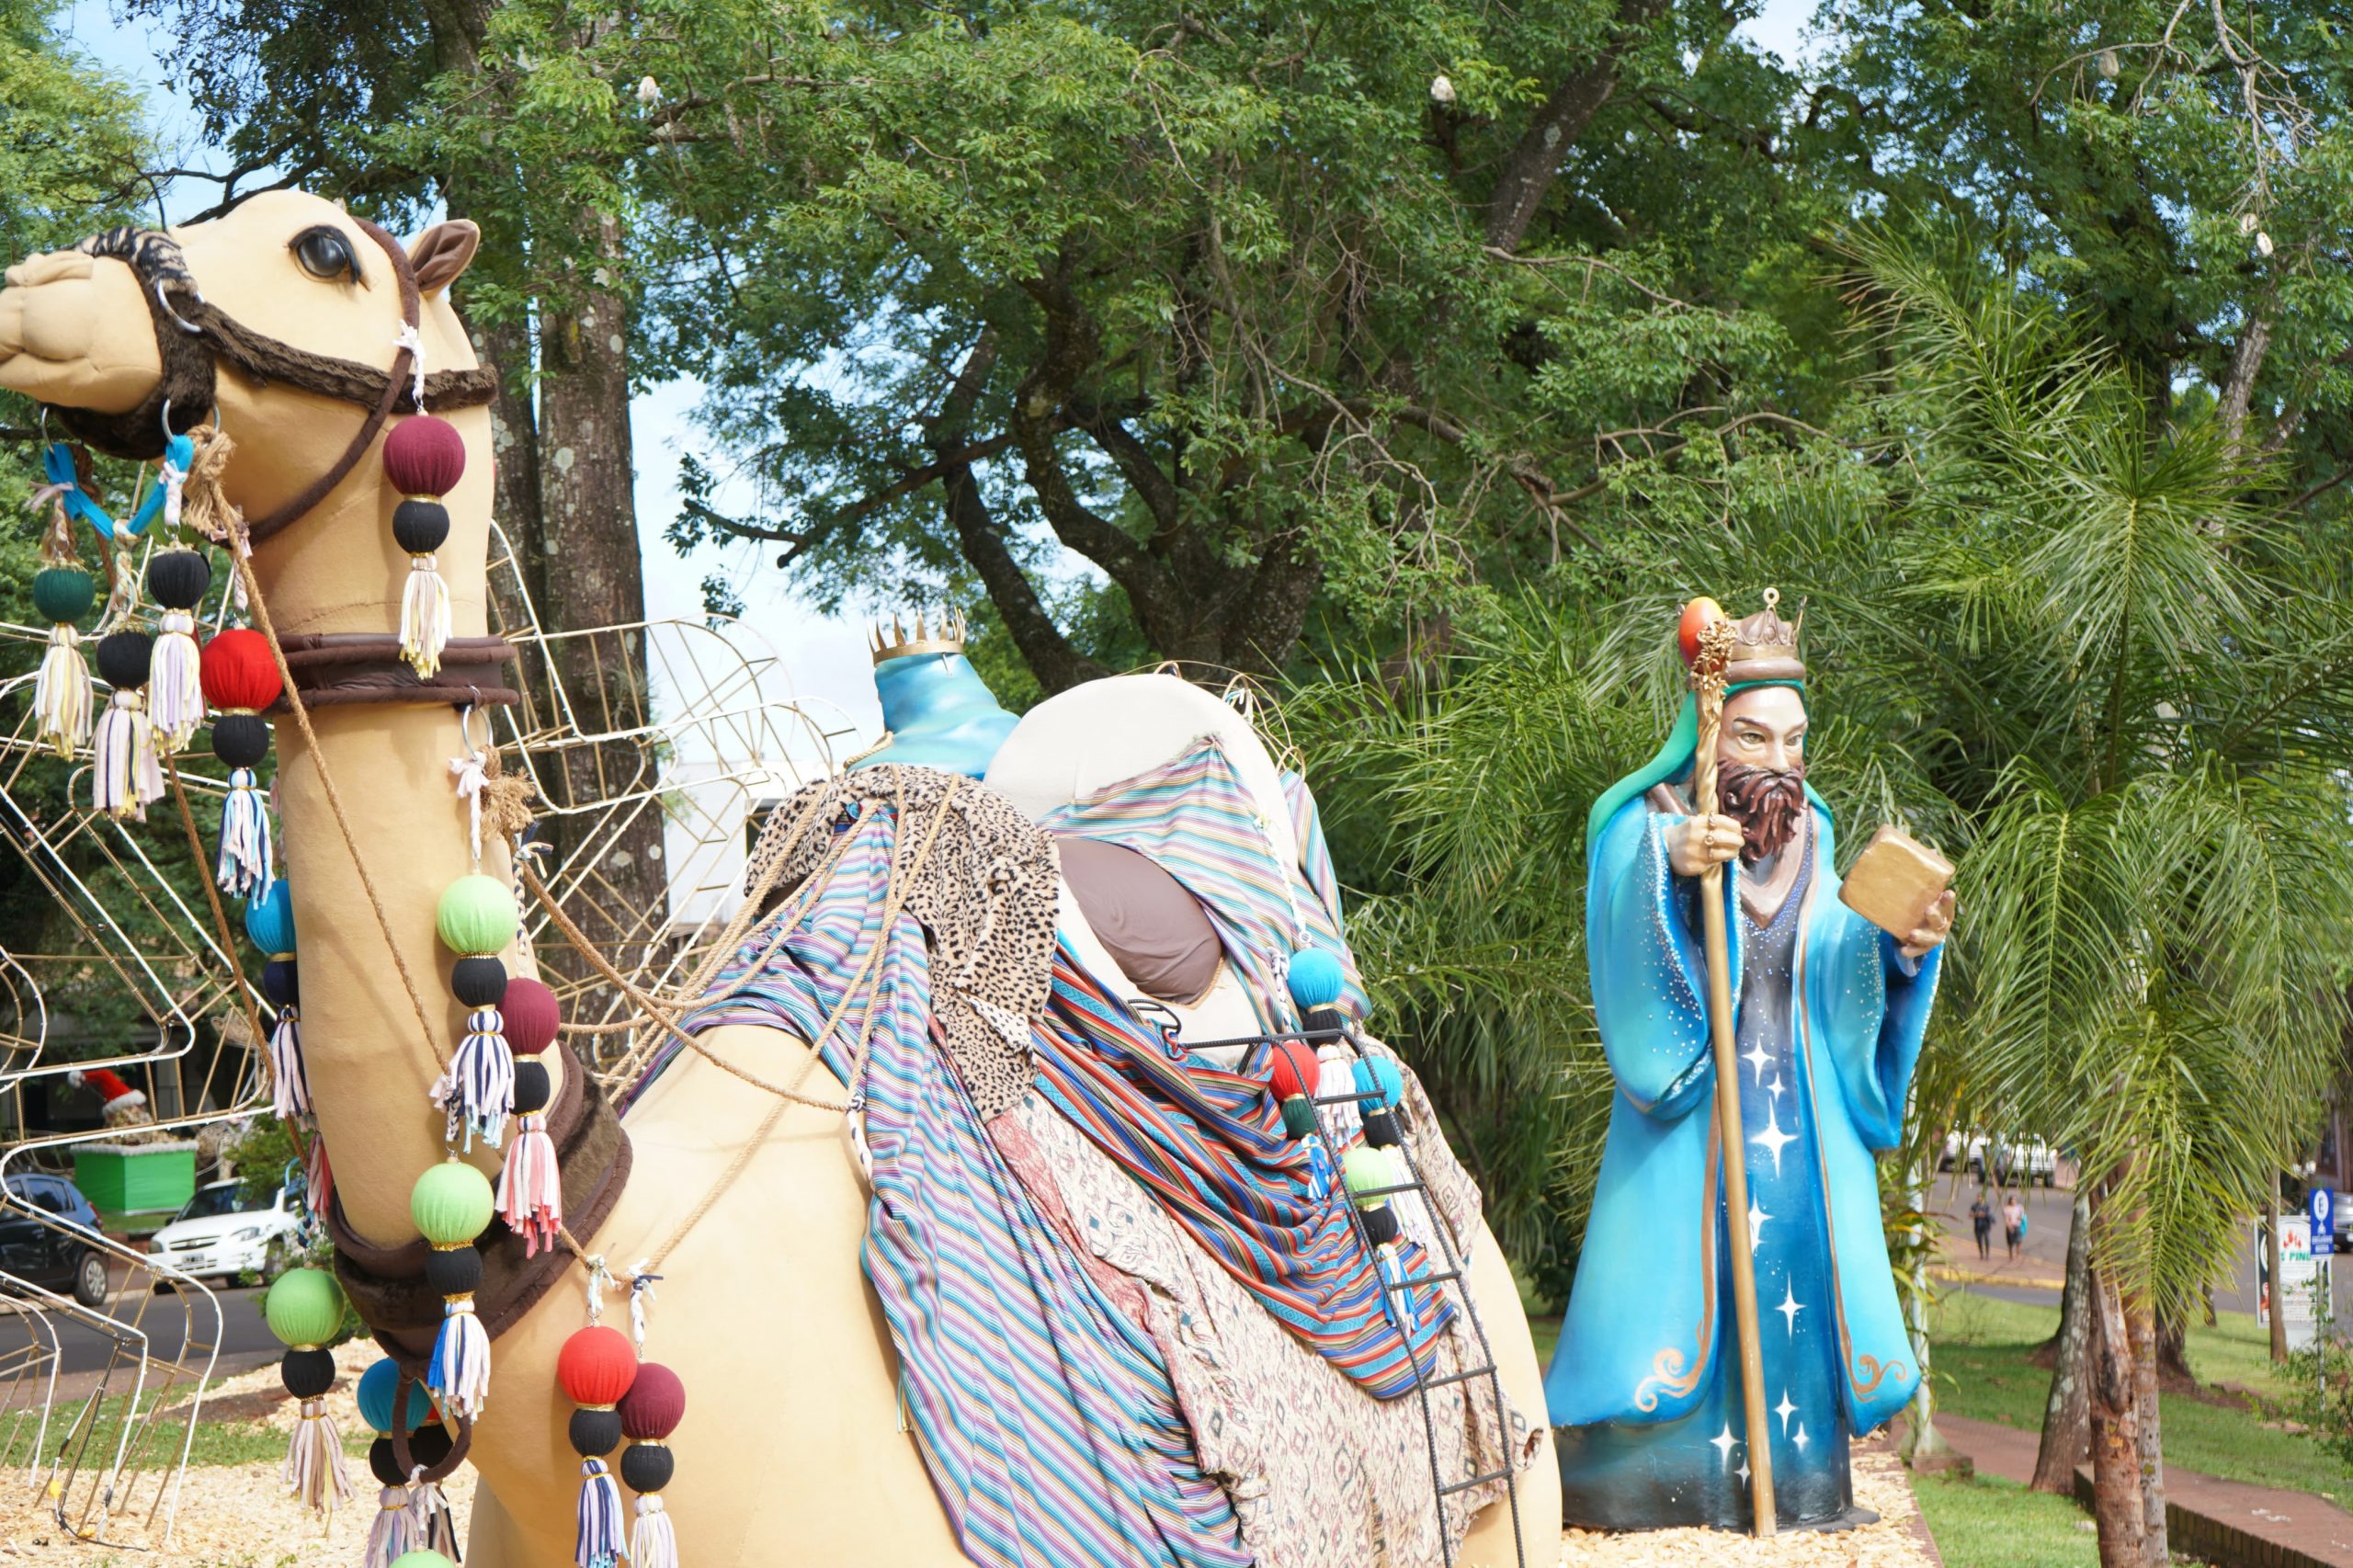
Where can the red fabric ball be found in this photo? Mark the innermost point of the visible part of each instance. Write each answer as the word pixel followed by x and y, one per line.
pixel 657 1402
pixel 596 1366
pixel 531 1015
pixel 425 456
pixel 1296 1071
pixel 237 670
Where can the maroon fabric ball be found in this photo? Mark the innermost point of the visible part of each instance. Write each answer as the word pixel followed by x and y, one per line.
pixel 654 1404
pixel 531 1015
pixel 425 456
pixel 237 670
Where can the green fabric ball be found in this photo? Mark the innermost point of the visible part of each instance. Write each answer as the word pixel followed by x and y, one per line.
pixel 62 593
pixel 422 1559
pixel 304 1308
pixel 477 916
pixel 1364 1168
pixel 452 1203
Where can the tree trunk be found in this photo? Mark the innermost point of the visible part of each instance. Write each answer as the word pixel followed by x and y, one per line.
pixel 2271 1264
pixel 2066 1418
pixel 1535 160
pixel 2116 1432
pixel 2173 1353
pixel 589 577
pixel 2149 1409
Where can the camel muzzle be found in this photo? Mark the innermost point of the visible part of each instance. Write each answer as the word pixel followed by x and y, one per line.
pixel 75 336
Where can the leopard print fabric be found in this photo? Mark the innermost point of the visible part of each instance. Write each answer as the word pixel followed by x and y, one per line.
pixel 985 898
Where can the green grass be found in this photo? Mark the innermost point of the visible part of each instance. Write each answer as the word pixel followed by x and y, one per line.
pixel 1983 1372
pixel 216 1442
pixel 1990 1523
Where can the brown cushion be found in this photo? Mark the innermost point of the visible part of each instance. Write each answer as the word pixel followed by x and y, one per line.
pixel 1145 919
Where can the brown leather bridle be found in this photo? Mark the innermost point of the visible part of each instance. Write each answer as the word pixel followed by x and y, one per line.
pixel 194 336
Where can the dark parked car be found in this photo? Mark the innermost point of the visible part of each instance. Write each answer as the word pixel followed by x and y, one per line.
pixel 43 1254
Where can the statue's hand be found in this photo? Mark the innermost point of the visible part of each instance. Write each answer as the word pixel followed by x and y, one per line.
pixel 1932 930
pixel 1697 843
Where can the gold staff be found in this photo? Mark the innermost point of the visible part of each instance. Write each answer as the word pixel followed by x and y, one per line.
pixel 1707 682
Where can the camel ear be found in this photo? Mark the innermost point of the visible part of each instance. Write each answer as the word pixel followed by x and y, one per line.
pixel 441 253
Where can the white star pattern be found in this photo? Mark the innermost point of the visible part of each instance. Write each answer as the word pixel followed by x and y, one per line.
pixel 1773 1138
pixel 1723 1441
pixel 1789 1309
pixel 1800 1438
pixel 1757 1059
pixel 1774 1088
pixel 1785 1410
pixel 1756 1217
pixel 1742 1472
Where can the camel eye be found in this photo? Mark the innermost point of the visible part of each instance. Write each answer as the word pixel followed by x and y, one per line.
pixel 324 253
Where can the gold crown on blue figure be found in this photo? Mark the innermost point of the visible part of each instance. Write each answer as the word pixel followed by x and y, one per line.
pixel 948 637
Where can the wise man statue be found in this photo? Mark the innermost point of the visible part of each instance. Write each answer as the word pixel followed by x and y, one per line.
pixel 1645 1386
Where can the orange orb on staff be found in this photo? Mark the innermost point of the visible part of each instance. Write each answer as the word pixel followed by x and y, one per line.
pixel 1696 616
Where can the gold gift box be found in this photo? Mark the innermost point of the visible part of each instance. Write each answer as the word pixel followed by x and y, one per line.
pixel 1895 881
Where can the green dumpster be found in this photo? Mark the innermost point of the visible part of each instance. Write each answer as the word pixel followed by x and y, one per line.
pixel 136 1179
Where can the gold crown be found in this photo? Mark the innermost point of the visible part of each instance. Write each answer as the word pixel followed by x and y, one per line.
pixel 948 637
pixel 1765 647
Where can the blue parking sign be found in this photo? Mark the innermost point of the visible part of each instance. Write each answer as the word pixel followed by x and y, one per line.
pixel 2321 1205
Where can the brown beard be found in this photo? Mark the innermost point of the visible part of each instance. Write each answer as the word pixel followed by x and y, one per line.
pixel 1767 804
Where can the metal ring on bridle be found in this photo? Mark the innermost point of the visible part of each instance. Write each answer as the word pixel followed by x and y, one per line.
pixel 185 324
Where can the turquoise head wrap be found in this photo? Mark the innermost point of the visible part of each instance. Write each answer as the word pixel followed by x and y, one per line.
pixel 1673 757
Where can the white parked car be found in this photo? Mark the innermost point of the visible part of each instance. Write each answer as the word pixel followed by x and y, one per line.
pixel 224 1234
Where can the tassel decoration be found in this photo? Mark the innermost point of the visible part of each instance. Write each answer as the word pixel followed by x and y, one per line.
pixel 425 616
pixel 393 1535
pixel 290 1083
pixel 124 774
pixel 460 1372
pixel 652 1542
pixel 318 1177
pixel 477 1092
pixel 432 1523
pixel 175 686
pixel 531 1188
pixel 245 866
pixel 314 1470
pixel 599 1543
pixel 62 694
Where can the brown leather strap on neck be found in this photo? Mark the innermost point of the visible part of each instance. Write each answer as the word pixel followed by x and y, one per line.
pixel 335 669
pixel 387 1284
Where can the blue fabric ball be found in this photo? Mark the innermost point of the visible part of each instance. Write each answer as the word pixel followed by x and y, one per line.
pixel 1315 978
pixel 1378 1083
pixel 269 918
pixel 377 1385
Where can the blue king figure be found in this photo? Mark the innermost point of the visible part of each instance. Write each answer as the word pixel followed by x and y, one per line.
pixel 1645 1387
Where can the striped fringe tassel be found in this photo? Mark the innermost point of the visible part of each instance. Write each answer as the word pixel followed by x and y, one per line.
pixel 318 1177
pixel 393 1535
pixel 314 1469
pixel 174 691
pixel 62 695
pixel 599 1542
pixel 530 1186
pixel 290 1085
pixel 477 1093
pixel 244 866
pixel 431 1520
pixel 652 1542
pixel 425 616
pixel 460 1370
pixel 124 774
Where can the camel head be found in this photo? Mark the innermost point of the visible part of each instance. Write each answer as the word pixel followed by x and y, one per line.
pixel 282 322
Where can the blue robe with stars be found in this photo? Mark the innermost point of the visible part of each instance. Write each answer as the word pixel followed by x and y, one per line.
pixel 1645 1381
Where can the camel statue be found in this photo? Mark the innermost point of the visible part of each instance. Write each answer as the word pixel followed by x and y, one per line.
pixel 794 1447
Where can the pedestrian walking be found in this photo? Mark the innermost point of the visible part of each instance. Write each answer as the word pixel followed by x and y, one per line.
pixel 2013 1223
pixel 1981 1224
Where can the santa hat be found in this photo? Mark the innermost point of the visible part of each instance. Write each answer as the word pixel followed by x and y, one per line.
pixel 115 1096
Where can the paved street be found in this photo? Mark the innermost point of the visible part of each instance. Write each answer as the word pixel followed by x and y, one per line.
pixel 245 1340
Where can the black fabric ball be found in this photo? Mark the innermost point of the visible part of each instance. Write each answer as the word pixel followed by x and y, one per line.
pixel 420 527
pixel 479 982
pixel 1380 1129
pixel 386 1464
pixel 647 1467
pixel 1380 1225
pixel 308 1374
pixel 532 1089
pixel 280 983
pixel 241 740
pixel 429 1444
pixel 594 1432
pixel 177 579
pixel 453 1271
pixel 124 658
